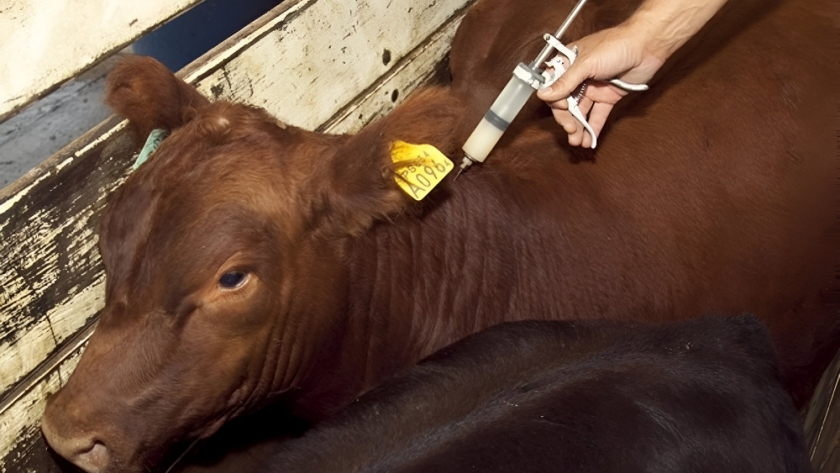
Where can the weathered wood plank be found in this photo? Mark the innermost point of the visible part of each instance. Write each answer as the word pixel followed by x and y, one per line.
pixel 328 53
pixel 424 65
pixel 52 283
pixel 41 46
pixel 20 418
pixel 49 251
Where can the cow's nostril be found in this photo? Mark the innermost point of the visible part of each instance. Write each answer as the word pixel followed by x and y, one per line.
pixel 88 454
pixel 94 460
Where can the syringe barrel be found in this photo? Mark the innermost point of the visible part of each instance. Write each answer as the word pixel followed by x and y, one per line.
pixel 497 119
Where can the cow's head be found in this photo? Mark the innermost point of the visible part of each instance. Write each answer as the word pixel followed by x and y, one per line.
pixel 223 272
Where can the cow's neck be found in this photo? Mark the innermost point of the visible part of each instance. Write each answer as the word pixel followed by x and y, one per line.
pixel 416 281
pixel 422 280
pixel 419 284
pixel 348 193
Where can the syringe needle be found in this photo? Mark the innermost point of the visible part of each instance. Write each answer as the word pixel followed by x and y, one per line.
pixel 464 165
pixel 457 175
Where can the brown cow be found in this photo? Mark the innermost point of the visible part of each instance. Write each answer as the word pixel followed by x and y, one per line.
pixel 249 262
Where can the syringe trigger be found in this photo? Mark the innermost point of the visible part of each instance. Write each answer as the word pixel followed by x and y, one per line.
pixel 571 54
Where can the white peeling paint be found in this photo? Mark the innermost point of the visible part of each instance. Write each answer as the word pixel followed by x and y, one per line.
pixel 67 318
pixel 213 60
pixel 22 355
pixel 25 414
pixel 85 243
pixel 304 72
pixel 25 353
pixel 108 134
pixel 5 206
pixel 16 292
pixel 41 44
pixel 64 163
pixel 406 78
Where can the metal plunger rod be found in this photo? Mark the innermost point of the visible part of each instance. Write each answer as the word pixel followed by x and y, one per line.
pixel 546 51
pixel 509 102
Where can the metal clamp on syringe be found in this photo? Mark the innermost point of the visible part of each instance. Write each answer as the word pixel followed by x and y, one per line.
pixel 526 79
pixel 556 68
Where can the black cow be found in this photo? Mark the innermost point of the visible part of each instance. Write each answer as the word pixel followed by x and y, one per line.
pixel 594 396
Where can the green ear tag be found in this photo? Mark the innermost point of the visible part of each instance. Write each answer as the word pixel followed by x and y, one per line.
pixel 419 167
pixel 152 142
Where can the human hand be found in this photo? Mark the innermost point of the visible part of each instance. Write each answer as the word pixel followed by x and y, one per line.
pixel 616 53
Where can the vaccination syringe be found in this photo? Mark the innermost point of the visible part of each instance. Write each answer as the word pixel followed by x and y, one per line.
pixel 510 101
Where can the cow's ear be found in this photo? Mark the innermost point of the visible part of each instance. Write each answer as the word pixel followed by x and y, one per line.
pixel 359 191
pixel 149 95
pixel 364 182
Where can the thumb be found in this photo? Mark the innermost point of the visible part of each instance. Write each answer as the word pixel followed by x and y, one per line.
pixel 567 83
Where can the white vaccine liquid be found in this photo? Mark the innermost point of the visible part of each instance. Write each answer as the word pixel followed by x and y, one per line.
pixel 495 122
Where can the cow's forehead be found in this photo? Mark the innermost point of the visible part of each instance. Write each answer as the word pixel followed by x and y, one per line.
pixel 180 249
pixel 186 160
pixel 170 220
pixel 198 168
pixel 181 217
pixel 202 197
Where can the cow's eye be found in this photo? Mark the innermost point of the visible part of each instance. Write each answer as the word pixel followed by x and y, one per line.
pixel 232 279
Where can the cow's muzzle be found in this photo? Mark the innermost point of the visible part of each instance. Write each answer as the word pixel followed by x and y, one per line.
pixel 82 449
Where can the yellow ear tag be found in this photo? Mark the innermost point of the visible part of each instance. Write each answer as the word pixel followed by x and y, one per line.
pixel 419 168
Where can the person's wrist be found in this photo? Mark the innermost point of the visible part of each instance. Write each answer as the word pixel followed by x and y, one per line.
pixel 651 28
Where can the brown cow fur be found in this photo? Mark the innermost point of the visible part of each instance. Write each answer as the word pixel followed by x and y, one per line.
pixel 713 192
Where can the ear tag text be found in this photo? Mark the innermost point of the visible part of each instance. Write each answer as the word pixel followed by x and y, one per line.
pixel 419 168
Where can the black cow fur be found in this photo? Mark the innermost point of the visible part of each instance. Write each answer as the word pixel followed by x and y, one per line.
pixel 595 396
